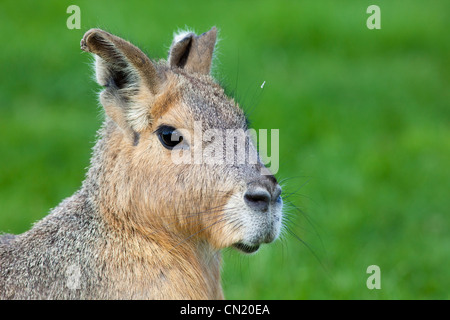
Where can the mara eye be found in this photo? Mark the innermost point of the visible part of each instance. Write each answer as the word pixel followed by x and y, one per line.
pixel 169 136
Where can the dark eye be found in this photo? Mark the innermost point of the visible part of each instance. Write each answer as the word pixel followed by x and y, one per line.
pixel 169 136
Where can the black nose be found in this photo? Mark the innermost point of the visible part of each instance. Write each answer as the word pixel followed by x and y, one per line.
pixel 257 199
pixel 259 196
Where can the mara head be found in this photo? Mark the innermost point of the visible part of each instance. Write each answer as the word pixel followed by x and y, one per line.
pixel 175 156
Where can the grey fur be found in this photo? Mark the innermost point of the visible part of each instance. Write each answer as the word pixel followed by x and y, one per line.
pixel 101 243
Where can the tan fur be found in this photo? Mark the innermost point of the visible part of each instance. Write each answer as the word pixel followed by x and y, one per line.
pixel 165 101
pixel 142 227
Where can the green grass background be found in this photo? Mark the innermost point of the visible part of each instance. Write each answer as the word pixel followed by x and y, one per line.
pixel 363 118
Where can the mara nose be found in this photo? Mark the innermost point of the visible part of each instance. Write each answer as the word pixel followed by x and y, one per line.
pixel 259 195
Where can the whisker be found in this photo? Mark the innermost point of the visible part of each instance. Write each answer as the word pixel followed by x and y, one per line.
pixel 290 178
pixel 218 213
pixel 301 186
pixel 307 217
pixel 256 99
pixel 292 233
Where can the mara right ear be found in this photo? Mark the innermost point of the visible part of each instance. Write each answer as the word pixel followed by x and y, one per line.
pixel 193 53
pixel 124 71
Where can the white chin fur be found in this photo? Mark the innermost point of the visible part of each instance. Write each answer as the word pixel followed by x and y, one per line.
pixel 255 227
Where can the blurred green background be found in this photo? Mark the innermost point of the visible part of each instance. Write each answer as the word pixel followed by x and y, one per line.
pixel 363 118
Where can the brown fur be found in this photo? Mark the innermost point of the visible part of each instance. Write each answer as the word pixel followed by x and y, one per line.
pixel 141 227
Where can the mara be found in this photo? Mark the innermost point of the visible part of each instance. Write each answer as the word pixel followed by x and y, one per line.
pixel 141 226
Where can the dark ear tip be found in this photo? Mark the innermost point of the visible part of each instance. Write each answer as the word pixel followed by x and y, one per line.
pixel 209 37
pixel 212 32
pixel 83 45
pixel 89 37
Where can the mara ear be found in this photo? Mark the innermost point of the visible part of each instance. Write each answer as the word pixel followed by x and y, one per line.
pixel 193 53
pixel 124 71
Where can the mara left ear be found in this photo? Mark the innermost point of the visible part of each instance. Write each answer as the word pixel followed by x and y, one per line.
pixel 125 72
pixel 193 53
